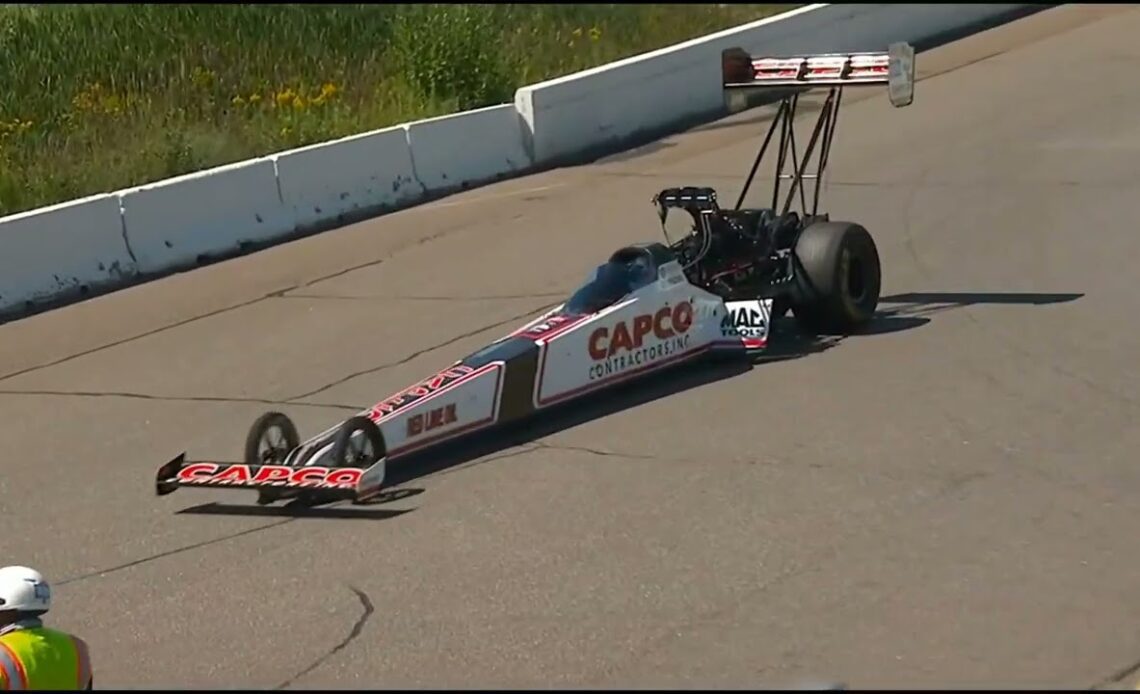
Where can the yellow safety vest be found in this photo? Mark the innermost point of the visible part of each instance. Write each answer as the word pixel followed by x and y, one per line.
pixel 37 658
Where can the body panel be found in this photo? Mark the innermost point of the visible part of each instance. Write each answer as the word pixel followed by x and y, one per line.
pixel 560 356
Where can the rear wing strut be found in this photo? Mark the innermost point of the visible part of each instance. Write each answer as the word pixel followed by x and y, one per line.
pixel 791 76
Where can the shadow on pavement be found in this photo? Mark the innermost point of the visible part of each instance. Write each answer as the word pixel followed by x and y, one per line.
pixel 974 298
pixel 916 304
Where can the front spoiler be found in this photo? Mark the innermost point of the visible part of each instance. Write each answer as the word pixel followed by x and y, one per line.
pixel 352 483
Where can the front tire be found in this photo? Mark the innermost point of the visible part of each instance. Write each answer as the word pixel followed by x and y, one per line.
pixel 358 443
pixel 840 278
pixel 271 438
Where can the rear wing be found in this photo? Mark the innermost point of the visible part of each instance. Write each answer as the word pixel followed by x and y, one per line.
pixel 894 68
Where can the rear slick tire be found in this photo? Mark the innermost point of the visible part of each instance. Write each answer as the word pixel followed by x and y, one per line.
pixel 840 278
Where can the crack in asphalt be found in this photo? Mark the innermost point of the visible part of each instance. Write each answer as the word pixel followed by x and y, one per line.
pixel 295 400
pixel 418 353
pixel 171 552
pixel 540 445
pixel 276 293
pixel 1119 676
pixel 816 561
pixel 372 263
pixel 594 451
pixel 528 448
pixel 98 573
pixel 367 610
pixel 175 398
pixel 146 333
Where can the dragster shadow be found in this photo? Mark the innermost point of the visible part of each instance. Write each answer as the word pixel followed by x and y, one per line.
pixel 904 311
pixel 625 396
pixel 294 509
pixel 300 508
pixel 978 298
pixel 635 393
pixel 921 304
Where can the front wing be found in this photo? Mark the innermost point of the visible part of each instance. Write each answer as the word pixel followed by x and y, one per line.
pixel 330 482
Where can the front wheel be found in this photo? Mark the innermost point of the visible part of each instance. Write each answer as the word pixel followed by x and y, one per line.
pixel 840 278
pixel 271 438
pixel 358 443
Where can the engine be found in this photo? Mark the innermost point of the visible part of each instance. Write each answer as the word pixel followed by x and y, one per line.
pixel 729 251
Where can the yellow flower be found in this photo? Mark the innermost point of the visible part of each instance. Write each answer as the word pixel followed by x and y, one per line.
pixel 298 102
pixel 284 98
pixel 111 105
pixel 88 97
pixel 595 33
pixel 95 99
pixel 327 93
pixel 14 127
pixel 254 98
pixel 577 33
pixel 237 101
pixel 203 77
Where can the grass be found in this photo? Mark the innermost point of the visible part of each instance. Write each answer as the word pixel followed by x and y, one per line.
pixel 98 97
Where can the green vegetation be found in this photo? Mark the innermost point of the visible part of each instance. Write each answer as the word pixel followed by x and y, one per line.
pixel 101 97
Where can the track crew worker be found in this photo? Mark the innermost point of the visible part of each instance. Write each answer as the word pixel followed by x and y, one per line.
pixel 33 656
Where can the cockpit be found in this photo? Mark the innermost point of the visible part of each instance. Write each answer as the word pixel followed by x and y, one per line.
pixel 626 271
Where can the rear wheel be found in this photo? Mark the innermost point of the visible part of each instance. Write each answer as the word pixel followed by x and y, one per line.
pixel 840 278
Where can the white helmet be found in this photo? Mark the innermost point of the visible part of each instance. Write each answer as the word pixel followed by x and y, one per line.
pixel 23 590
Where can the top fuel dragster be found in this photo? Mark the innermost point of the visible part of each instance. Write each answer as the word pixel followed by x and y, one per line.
pixel 647 307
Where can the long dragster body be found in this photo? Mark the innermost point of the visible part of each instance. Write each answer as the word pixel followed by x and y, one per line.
pixel 648 307
pixel 648 319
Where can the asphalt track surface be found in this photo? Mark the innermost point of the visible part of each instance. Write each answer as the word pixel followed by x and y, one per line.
pixel 951 499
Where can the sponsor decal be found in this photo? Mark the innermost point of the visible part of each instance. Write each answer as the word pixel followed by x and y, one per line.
pixel 213 474
pixel 419 391
pixel 624 346
pixel 550 324
pixel 422 422
pixel 745 319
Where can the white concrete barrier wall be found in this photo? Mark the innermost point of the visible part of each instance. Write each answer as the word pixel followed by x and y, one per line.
pixel 170 224
pixel 603 106
pixel 324 183
pixel 464 149
pixel 588 109
pixel 57 250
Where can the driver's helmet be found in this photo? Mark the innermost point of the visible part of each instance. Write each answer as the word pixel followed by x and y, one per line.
pixel 640 272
